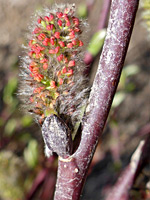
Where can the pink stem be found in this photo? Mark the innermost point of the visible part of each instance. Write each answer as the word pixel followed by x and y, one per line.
pixel 104 14
pixel 88 57
pixel 37 182
pixel 72 172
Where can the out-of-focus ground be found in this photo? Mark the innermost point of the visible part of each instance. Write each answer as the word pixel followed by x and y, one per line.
pixel 21 153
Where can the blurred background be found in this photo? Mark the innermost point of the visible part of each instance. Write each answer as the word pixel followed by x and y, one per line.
pixel 25 173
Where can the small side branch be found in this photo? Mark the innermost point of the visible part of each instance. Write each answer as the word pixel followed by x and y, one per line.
pixel 72 171
pixel 126 179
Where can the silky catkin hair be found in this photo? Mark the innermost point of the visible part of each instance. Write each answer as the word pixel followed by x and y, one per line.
pixel 52 80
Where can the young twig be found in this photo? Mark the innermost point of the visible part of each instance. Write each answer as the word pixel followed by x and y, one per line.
pixel 88 57
pixel 73 170
pixel 120 191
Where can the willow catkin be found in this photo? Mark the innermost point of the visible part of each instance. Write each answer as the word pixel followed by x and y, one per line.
pixel 52 81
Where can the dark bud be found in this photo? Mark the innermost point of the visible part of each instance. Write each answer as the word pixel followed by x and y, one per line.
pixel 57 136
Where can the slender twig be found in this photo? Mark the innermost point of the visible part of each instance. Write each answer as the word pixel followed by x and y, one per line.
pixel 104 14
pixel 88 57
pixel 37 182
pixel 48 172
pixel 72 171
pixel 120 191
pixel 89 4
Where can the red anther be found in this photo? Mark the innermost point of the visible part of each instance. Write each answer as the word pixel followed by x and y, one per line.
pixel 70 72
pixel 30 43
pixel 51 17
pixel 36 90
pixel 52 84
pixel 44 60
pixel 72 35
pixel 57 35
pixel 65 60
pixel 41 48
pixel 52 40
pixel 70 29
pixel 38 112
pixel 58 73
pixel 59 14
pixel 45 66
pixel 37 50
pixel 61 43
pixel 74 42
pixel 31 99
pixel 41 36
pixel 30 68
pixel 39 55
pixel 66 18
pixel 80 43
pixel 41 120
pixel 38 77
pixel 52 51
pixel 71 63
pixel 60 57
pixel 70 45
pixel 50 27
pixel 43 116
pixel 76 29
pixel 33 64
pixel 57 49
pixel 33 47
pixel 36 30
pixel 68 23
pixel 42 88
pixel 76 21
pixel 46 18
pixel 31 75
pixel 59 22
pixel 46 41
pixel 38 105
pixel 66 10
pixel 39 20
pixel 31 53
pixel 64 70
pixel 34 70
pixel 60 81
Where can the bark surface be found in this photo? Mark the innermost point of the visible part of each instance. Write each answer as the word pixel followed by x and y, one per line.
pixel 72 171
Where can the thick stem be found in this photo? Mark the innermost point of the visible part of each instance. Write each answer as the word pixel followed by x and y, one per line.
pixel 72 171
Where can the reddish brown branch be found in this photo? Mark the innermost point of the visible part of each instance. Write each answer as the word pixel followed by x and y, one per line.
pixel 88 57
pixel 72 171
pixel 104 14
pixel 120 191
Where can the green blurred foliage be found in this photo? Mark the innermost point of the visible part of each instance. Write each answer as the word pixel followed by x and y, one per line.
pixel 124 86
pixel 12 170
pixel 8 94
pixel 82 10
pixel 31 153
pixel 10 127
pixel 26 120
pixel 1 121
pixel 145 4
pixel 96 43
pixel 25 137
pixel 118 99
